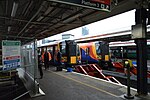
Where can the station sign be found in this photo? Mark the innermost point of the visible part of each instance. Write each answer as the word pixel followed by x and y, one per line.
pixel 11 55
pixel 103 5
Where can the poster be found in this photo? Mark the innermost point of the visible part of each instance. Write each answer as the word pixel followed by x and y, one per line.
pixel 11 54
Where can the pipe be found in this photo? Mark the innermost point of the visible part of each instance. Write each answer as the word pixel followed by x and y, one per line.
pixel 13 13
pixel 44 2
pixel 28 38
pixel 21 20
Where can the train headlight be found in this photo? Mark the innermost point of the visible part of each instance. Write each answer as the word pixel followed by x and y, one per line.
pixel 126 62
pixel 79 61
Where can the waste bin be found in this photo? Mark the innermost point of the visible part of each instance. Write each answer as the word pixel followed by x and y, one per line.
pixel 69 69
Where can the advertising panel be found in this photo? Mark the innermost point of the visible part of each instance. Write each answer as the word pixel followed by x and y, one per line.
pixel 11 57
pixel 103 5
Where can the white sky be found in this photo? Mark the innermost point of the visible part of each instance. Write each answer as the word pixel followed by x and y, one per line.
pixel 113 24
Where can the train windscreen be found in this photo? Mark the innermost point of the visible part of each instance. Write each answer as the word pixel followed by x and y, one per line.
pixel 63 48
pixel 98 50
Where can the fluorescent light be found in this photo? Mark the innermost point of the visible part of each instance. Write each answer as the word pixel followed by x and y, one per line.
pixel 14 9
pixel 72 18
pixel 27 30
pixel 9 28
pixel 40 18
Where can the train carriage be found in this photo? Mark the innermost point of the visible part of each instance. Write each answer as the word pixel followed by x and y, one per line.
pixel 95 52
pixel 126 50
pixel 68 49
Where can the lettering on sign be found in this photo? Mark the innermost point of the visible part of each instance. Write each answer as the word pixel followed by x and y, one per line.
pixel 95 4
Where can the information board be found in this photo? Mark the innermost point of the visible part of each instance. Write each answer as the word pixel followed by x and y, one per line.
pixel 103 5
pixel 11 55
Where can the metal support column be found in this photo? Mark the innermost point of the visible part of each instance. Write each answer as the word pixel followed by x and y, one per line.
pixel 141 66
pixel 36 85
pixel 141 48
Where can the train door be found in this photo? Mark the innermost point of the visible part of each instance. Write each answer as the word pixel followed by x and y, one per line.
pixel 104 50
pixel 71 52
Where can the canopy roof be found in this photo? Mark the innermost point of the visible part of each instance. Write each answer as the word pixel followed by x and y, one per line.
pixel 27 20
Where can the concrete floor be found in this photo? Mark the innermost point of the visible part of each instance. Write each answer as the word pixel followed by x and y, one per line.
pixel 62 85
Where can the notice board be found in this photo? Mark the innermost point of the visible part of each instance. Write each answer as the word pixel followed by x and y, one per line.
pixel 11 54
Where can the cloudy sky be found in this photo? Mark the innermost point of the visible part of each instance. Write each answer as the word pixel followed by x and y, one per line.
pixel 113 24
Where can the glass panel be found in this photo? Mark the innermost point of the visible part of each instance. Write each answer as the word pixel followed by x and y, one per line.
pixel 98 50
pixel 87 51
pixel 29 53
pixel 63 48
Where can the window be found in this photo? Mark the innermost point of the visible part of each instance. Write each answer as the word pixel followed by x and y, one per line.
pixel 131 51
pixel 63 48
pixel 98 50
pixel 87 51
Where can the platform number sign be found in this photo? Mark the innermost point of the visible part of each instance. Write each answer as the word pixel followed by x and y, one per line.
pixel 103 5
pixel 11 54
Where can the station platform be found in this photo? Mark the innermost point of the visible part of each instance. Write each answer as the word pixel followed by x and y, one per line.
pixel 63 85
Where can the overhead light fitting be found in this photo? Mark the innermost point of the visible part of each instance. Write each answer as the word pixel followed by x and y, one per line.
pixel 72 18
pixel 9 28
pixel 40 18
pixel 14 9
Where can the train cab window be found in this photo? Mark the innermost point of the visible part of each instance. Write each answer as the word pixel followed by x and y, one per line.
pixel 98 50
pixel 87 51
pixel 63 48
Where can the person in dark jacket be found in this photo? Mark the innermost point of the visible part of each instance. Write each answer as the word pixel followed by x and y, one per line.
pixel 40 66
pixel 59 55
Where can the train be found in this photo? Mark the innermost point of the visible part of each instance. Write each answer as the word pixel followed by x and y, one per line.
pixel 126 50
pixel 102 51
pixel 111 56
pixel 99 52
pixel 68 49
pixel 74 53
pixel 95 53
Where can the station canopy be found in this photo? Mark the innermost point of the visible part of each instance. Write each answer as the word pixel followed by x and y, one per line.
pixel 27 20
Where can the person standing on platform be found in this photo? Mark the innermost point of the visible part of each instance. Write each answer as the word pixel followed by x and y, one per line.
pixel 50 60
pixel 40 66
pixel 59 55
pixel 47 58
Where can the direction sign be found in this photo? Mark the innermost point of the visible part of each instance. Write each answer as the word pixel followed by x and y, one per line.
pixel 103 5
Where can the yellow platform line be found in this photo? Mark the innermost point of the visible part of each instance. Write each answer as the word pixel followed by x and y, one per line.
pixel 86 84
